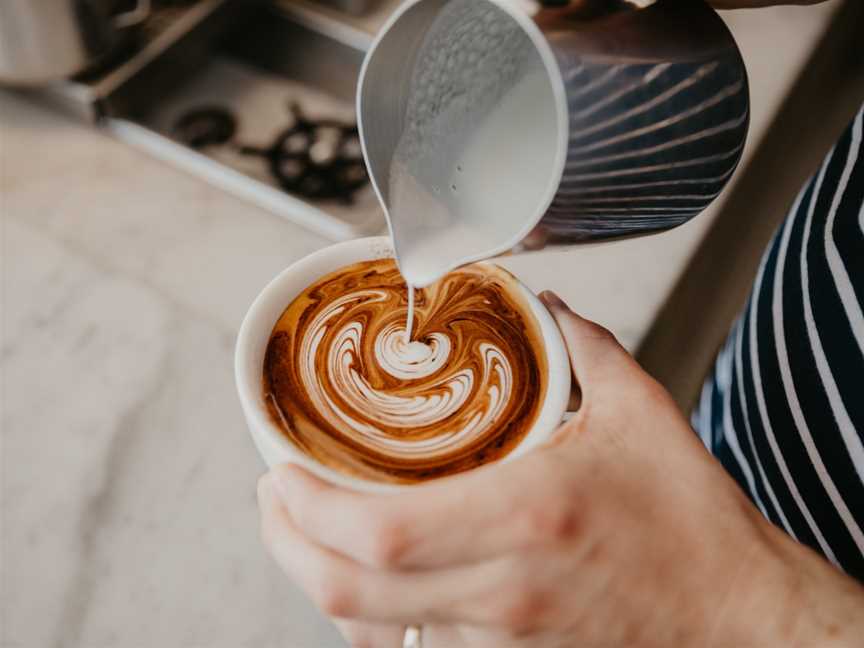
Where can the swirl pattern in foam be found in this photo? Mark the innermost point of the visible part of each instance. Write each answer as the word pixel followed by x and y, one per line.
pixel 348 388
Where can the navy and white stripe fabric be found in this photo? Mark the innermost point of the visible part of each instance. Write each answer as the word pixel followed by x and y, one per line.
pixel 784 408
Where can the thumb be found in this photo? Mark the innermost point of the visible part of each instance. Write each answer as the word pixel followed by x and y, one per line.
pixel 596 357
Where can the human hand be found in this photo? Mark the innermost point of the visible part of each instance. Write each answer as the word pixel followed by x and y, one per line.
pixel 622 531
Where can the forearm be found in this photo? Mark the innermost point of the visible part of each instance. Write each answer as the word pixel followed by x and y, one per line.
pixel 795 598
pixel 829 610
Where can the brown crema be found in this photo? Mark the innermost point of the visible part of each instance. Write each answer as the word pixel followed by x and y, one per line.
pixel 345 386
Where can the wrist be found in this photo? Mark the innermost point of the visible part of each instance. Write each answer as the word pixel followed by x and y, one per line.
pixel 795 598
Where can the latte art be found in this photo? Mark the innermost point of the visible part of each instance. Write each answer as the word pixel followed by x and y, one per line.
pixel 349 388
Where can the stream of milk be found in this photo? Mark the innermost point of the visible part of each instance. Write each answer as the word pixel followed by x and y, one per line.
pixel 474 161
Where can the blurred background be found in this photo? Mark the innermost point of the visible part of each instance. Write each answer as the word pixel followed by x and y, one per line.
pixel 155 174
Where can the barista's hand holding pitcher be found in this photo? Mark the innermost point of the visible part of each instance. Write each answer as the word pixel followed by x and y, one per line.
pixel 622 531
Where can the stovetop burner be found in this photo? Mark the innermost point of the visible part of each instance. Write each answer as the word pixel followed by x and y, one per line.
pixel 316 159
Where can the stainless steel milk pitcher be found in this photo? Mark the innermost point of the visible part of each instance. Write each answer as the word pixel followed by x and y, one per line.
pixel 651 96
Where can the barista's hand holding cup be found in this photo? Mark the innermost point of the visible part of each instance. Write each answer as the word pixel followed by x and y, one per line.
pixel 620 531
pixel 329 380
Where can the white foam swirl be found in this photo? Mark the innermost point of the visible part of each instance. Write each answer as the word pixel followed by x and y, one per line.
pixel 429 392
pixel 410 360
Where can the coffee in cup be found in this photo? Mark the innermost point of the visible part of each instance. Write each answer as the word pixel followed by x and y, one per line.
pixel 329 381
pixel 346 385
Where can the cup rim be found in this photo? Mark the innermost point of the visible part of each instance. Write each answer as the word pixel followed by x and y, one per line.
pixel 258 324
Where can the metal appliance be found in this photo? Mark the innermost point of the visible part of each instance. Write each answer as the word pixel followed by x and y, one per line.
pixel 254 96
pixel 652 105
pixel 45 40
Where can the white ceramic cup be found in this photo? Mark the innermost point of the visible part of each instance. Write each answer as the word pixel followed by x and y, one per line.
pixel 258 324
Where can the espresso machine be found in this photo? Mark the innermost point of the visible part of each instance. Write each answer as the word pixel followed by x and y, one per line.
pixel 254 96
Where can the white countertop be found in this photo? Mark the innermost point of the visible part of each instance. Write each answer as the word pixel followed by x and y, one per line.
pixel 129 516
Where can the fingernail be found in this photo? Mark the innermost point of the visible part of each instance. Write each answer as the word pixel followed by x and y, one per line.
pixel 285 482
pixel 552 300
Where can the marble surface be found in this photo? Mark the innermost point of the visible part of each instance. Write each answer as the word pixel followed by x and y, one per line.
pixel 128 510
pixel 128 481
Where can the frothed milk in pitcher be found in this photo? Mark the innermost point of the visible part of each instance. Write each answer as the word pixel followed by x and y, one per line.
pixel 464 181
pixel 482 119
